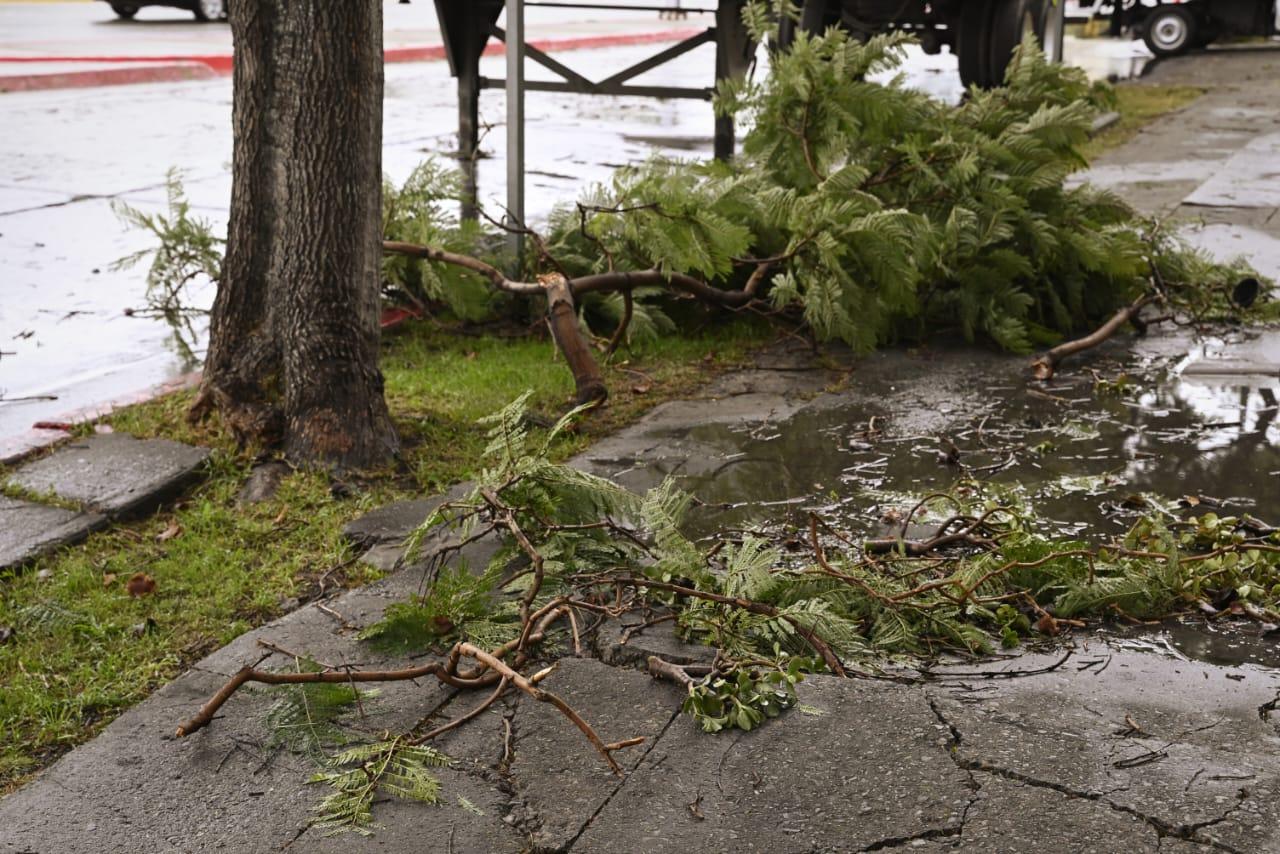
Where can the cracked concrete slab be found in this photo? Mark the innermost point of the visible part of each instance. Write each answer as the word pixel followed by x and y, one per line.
pixel 561 781
pixel 828 780
pixel 29 530
pixel 997 823
pixel 114 474
pixel 1177 743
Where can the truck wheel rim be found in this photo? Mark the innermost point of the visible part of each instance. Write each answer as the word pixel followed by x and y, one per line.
pixel 1170 32
pixel 211 8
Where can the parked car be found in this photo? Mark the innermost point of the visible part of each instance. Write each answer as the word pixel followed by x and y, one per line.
pixel 981 33
pixel 204 10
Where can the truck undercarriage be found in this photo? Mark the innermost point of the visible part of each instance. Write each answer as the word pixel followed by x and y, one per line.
pixel 981 33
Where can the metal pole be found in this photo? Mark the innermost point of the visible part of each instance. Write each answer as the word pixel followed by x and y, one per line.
pixel 1054 29
pixel 515 127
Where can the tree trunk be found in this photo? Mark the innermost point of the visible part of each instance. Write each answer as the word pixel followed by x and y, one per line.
pixel 293 343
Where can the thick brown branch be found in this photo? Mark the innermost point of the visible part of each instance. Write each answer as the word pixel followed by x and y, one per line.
pixel 475 265
pixel 542 696
pixel 1045 365
pixel 245 674
pixel 562 318
pixel 623 281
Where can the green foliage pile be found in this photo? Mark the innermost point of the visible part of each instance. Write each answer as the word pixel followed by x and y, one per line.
pixel 761 606
pixel 890 215
pixel 879 214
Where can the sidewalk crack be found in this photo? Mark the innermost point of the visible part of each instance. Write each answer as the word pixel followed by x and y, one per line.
pixel 618 788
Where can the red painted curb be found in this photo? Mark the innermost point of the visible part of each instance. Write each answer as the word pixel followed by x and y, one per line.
pixel 106 77
pixel 172 68
pixel 18 446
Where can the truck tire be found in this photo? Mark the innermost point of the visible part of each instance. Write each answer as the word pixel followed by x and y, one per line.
pixel 972 25
pixel 1011 21
pixel 209 10
pixel 1170 30
pixel 124 10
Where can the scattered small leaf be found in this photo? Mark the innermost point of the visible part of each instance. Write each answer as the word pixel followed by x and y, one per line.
pixel 6 634
pixel 44 574
pixel 1047 625
pixel 140 584
pixel 469 807
pixel 146 627
pixel 642 388
pixel 108 579
pixel 173 530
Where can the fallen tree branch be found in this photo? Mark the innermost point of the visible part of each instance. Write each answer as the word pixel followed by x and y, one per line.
pixel 498 671
pixel 562 293
pixel 811 637
pixel 1046 364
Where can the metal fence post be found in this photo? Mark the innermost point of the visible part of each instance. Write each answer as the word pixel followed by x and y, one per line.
pixel 515 129
pixel 1055 27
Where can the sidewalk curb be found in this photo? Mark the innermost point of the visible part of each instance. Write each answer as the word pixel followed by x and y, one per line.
pixel 107 77
pixel 169 68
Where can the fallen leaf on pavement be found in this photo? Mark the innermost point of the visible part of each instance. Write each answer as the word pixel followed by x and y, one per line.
pixel 1047 625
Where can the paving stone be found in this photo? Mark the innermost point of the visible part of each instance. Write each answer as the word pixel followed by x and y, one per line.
pixel 1204 757
pixel 824 779
pixel 29 530
pixel 1248 179
pixel 384 531
pixel 113 473
pixel 561 781
pixel 621 642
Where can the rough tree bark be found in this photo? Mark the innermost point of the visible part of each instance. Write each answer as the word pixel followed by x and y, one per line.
pixel 293 344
